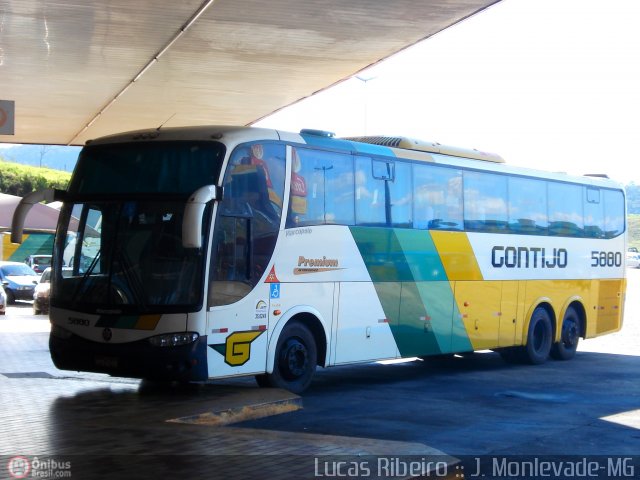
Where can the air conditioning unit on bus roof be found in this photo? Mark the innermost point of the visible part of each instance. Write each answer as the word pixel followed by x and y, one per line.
pixel 431 147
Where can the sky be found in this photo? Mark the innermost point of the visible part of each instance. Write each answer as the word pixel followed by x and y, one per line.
pixel 547 84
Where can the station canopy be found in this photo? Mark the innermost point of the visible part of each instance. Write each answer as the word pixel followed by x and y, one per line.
pixel 80 69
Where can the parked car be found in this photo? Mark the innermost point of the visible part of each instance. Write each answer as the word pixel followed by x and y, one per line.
pixel 42 292
pixel 38 262
pixel 633 259
pixel 19 281
pixel 3 301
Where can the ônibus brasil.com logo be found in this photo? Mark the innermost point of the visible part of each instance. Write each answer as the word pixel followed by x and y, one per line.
pixel 21 467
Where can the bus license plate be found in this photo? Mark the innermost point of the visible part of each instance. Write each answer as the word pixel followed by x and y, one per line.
pixel 106 362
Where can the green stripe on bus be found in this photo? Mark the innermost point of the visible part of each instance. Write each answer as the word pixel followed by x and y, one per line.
pixel 413 289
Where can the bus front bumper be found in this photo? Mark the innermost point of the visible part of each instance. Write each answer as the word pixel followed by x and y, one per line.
pixel 140 359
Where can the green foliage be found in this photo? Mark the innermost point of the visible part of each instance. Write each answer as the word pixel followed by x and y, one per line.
pixel 19 180
pixel 633 215
pixel 633 229
pixel 633 198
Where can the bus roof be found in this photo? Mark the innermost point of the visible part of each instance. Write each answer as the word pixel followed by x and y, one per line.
pixel 407 143
pixel 393 146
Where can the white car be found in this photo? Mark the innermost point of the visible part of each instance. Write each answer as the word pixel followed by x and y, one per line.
pixel 3 301
pixel 633 259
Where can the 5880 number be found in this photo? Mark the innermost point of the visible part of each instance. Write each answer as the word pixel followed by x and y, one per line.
pixel 606 259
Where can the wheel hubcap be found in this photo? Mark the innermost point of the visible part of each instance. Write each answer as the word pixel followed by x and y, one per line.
pixel 569 333
pixel 294 359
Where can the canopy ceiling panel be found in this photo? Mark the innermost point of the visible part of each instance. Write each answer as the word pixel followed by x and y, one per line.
pixel 79 69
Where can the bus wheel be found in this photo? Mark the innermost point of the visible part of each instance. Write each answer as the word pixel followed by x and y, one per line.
pixel 295 361
pixel 539 338
pixel 566 348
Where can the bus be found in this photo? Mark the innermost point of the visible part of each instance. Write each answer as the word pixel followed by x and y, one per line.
pixel 201 253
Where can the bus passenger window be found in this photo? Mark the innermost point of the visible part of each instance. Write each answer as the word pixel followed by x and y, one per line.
pixel 401 197
pixel 593 213
pixel 528 206
pixel 485 196
pixel 371 194
pixel 437 198
pixel 566 215
pixel 383 193
pixel 614 221
pixel 322 189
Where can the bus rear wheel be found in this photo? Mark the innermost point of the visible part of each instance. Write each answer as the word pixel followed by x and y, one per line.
pixel 539 338
pixel 295 360
pixel 566 348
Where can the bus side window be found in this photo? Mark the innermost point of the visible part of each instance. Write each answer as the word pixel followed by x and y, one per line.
pixel 528 206
pixel 437 198
pixel 593 213
pixel 383 193
pixel 327 180
pixel 298 202
pixel 614 222
pixel 248 221
pixel 566 210
pixel 371 194
pixel 485 202
pixel 401 197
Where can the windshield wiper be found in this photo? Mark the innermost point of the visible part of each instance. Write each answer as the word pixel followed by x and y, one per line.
pixel 133 281
pixel 85 277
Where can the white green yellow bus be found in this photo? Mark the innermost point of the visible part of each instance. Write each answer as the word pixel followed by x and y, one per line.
pixel 209 252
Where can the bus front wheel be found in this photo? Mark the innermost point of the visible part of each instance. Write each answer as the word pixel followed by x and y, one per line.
pixel 539 338
pixel 295 360
pixel 566 348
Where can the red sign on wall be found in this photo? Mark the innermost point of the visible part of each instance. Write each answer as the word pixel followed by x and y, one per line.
pixel 7 117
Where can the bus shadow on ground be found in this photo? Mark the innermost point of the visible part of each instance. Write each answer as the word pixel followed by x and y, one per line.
pixel 474 400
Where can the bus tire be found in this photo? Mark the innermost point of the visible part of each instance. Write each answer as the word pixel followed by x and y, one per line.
pixel 295 360
pixel 566 348
pixel 539 338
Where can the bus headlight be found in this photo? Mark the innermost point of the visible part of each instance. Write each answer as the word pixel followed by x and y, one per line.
pixel 173 339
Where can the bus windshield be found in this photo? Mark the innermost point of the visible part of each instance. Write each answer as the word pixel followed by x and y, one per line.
pixel 124 249
pixel 177 168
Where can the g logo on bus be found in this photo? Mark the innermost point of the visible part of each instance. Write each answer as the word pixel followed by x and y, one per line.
pixel 107 334
pixel 238 347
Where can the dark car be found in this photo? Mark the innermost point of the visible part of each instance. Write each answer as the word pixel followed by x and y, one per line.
pixel 19 281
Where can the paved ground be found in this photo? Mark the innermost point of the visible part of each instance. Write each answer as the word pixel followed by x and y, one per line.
pixel 98 423
pixel 94 426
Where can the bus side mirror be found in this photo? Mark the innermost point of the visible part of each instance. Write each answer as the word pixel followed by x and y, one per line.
pixel 193 210
pixel 20 214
